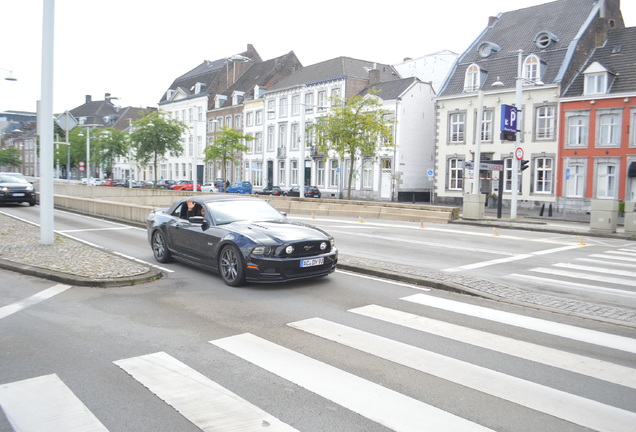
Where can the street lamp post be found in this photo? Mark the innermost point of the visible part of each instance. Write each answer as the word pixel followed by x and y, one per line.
pixel 10 77
pixel 88 151
pixel 515 162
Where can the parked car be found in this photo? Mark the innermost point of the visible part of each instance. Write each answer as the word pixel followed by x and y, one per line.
pixel 244 239
pixel 91 181
pixel 109 182
pixel 308 192
pixel 210 187
pixel 270 190
pixel 165 184
pixel 240 187
pixel 15 188
pixel 185 185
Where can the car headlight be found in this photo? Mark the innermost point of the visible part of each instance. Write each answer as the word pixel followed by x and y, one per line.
pixel 333 243
pixel 289 250
pixel 29 188
pixel 262 250
pixel 4 189
pixel 323 246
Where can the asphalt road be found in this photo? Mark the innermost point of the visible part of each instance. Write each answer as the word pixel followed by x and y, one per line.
pixel 342 353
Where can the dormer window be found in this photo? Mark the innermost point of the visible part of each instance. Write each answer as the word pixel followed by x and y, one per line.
pixel 544 39
pixel 472 80
pixel 237 97
pixel 596 79
pixel 486 49
pixel 532 68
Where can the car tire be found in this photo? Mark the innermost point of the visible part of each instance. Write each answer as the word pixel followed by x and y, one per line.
pixel 32 203
pixel 160 248
pixel 231 266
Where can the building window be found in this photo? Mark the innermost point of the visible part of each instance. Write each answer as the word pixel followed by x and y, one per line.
pixel 281 172
pixel 531 68
pixel 282 111
pixel 367 173
pixel 543 175
pixel 574 179
pixel 333 173
pixel 322 100
pixel 545 122
pixel 577 129
pixel 228 121
pixel 595 83
pixel 257 173
pixel 486 126
pixel 608 128
pixel 457 127
pixel 606 180
pixel 455 174
pixel 335 97
pixel 471 79
pixel 190 118
pixel 258 142
pixel 282 135
pixel 632 128
pixel 249 119
pixel 199 114
pixel 259 117
pixel 293 167
pixel 238 124
pixel 270 138
pixel 320 173
pixel 309 102
pixel 271 109
pixel 295 105
pixel 295 136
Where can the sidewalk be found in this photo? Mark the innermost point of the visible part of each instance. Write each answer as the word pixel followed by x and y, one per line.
pixel 71 262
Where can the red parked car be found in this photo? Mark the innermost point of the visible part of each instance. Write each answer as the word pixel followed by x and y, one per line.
pixel 109 182
pixel 185 185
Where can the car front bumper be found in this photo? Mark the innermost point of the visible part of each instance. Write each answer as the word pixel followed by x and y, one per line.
pixel 272 269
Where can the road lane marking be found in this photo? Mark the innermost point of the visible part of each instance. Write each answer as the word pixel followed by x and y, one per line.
pixel 591 367
pixel 202 401
pixel 597 269
pixel 383 280
pixel 577 275
pixel 12 308
pixel 576 409
pixel 380 404
pixel 46 404
pixel 596 289
pixel 510 259
pixel 562 330
pixel 95 229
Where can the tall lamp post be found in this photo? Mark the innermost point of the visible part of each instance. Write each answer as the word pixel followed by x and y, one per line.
pixel 88 151
pixel 10 77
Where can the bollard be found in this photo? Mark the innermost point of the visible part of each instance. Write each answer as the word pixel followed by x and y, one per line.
pixel 550 210
pixel 542 209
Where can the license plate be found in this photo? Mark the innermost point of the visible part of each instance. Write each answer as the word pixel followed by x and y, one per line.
pixel 18 194
pixel 312 262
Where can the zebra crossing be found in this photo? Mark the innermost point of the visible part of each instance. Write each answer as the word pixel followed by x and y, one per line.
pixel 612 272
pixel 47 403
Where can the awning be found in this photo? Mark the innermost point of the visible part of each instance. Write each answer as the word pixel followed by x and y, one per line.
pixel 631 172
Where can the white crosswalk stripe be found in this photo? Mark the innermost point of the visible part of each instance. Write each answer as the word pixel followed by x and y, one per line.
pixel 202 401
pixel 210 406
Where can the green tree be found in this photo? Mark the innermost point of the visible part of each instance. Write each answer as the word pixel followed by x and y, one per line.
pixel 111 144
pixel 358 126
pixel 227 144
pixel 10 157
pixel 155 135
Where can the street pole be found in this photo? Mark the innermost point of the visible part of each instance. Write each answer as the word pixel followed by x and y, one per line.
pixel 480 114
pixel 46 126
pixel 515 162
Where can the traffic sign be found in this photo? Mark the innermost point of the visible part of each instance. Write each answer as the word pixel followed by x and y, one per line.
pixel 484 166
pixel 519 153
pixel 430 172
pixel 508 118
pixel 66 121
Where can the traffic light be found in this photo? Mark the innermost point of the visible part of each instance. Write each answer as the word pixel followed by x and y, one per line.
pixel 508 136
pixel 524 164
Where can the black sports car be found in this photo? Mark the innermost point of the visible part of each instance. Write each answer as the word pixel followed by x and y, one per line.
pixel 244 239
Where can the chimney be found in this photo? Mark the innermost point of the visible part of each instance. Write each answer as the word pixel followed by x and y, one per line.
pixel 89 98
pixel 107 97
pixel 374 76
pixel 491 20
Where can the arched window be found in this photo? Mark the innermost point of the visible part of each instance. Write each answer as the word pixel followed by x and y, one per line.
pixel 471 80
pixel 531 68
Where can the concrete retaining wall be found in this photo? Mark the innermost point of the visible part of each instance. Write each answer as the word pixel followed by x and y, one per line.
pixel 133 205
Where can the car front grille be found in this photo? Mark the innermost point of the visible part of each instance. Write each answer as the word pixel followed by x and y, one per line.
pixel 304 249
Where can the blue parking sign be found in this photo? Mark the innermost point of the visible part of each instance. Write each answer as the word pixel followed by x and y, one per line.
pixel 508 118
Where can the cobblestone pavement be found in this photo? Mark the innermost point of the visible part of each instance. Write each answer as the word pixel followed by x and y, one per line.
pixel 76 263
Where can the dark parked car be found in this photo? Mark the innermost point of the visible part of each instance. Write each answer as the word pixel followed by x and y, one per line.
pixel 308 192
pixel 240 187
pixel 244 239
pixel 165 184
pixel 15 188
pixel 270 190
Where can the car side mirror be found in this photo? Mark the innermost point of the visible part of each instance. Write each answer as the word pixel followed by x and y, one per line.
pixel 196 220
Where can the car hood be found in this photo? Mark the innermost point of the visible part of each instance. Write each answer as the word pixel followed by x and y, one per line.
pixel 15 185
pixel 268 232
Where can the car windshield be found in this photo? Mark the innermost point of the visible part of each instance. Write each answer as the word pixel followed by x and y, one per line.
pixel 10 178
pixel 224 212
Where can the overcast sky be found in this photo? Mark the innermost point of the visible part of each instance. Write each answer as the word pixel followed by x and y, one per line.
pixel 134 49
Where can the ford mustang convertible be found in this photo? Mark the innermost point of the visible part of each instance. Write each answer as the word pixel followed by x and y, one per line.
pixel 244 239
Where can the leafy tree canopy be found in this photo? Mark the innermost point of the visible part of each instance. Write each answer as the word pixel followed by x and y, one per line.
pixel 10 157
pixel 358 126
pixel 227 144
